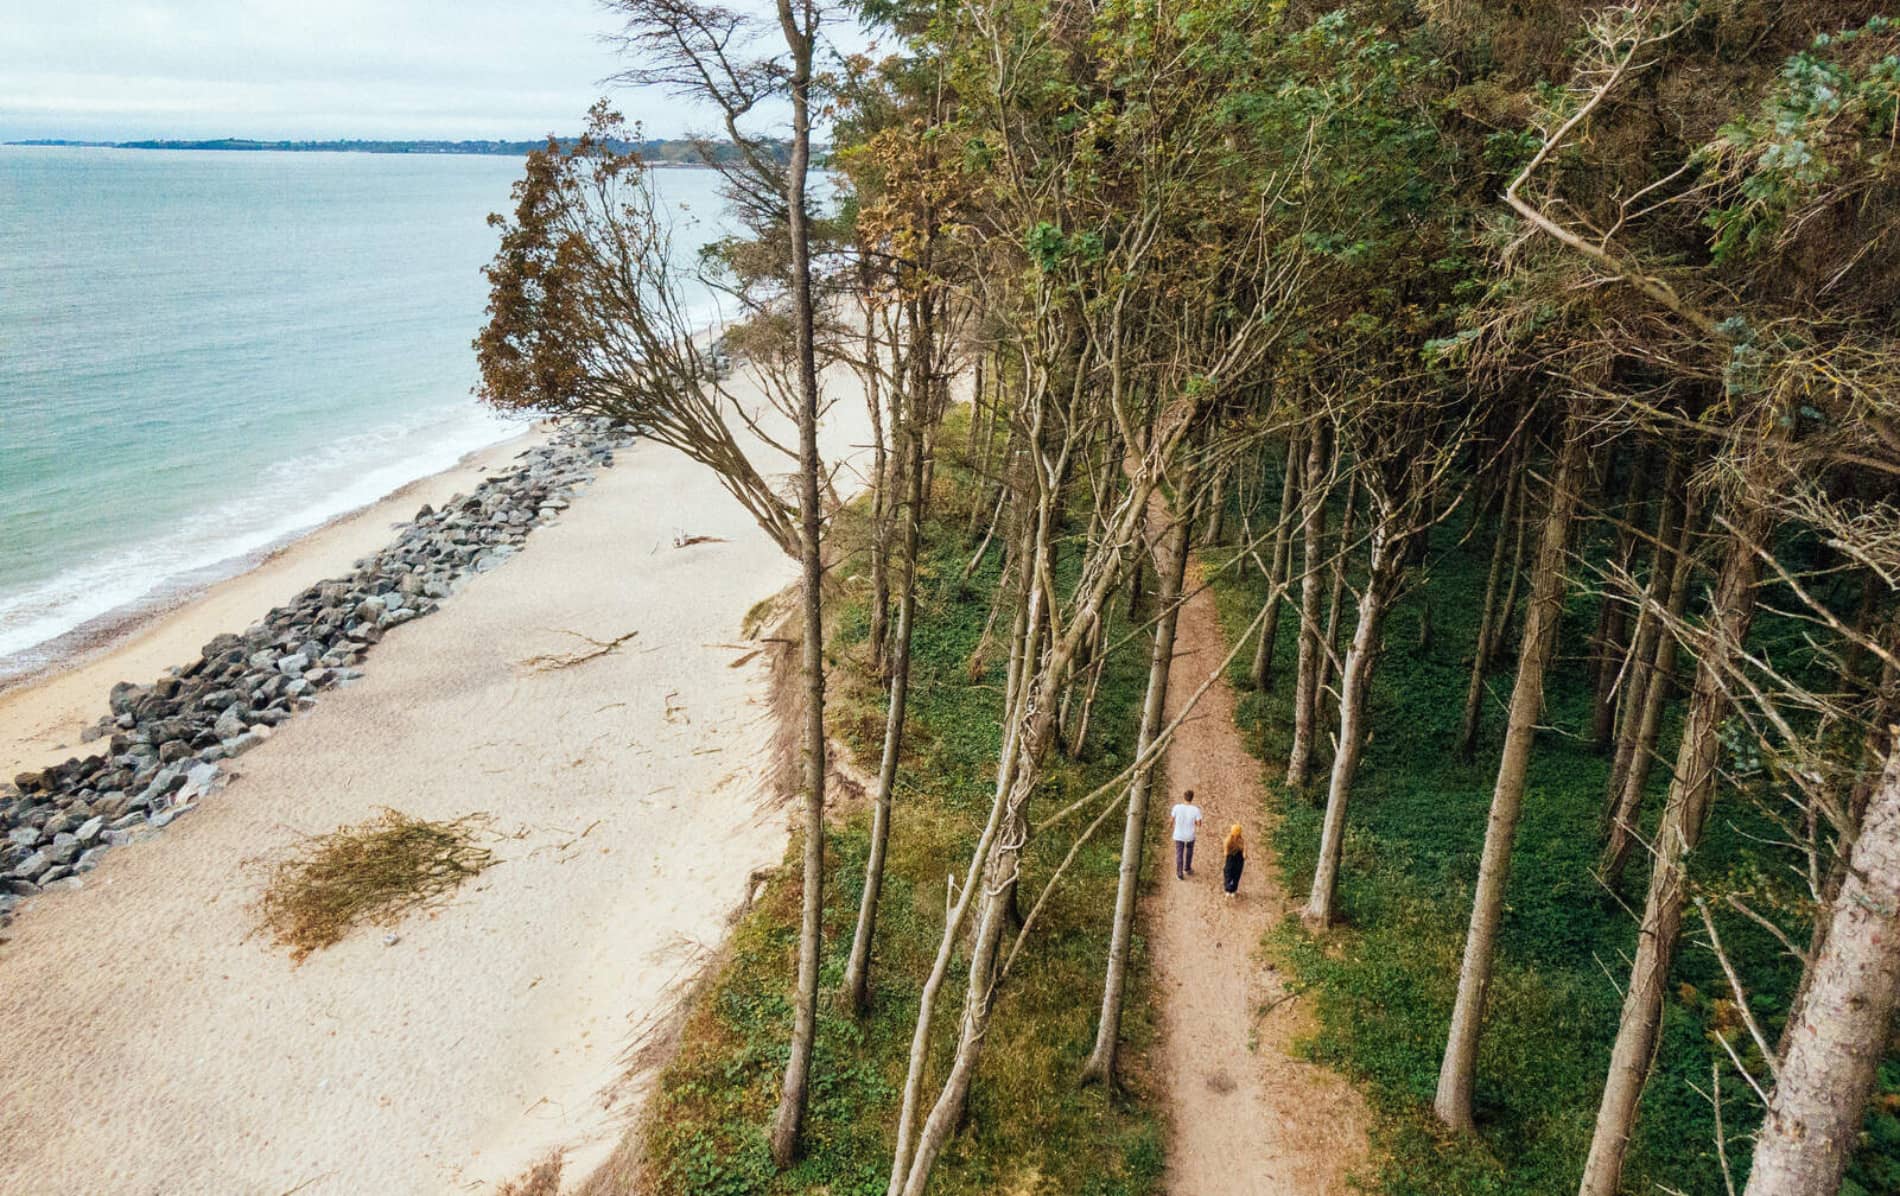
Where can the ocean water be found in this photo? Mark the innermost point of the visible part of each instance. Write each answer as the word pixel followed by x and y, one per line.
pixel 204 353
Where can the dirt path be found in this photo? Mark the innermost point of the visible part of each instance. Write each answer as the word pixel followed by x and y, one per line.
pixel 1249 1118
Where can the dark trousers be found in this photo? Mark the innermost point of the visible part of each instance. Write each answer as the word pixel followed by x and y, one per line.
pixel 1183 856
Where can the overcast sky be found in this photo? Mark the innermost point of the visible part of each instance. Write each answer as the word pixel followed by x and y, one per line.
pixel 116 70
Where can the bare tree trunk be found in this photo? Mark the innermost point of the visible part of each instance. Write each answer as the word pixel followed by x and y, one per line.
pixel 788 1123
pixel 1458 1071
pixel 1306 689
pixel 982 444
pixel 1509 524
pixel 1840 1031
pixel 1607 647
pixel 1640 665
pixel 1260 672
pixel 882 486
pixel 857 973
pixel 1170 569
pixel 1330 658
pixel 1080 737
pixel 1879 740
pixel 1647 736
pixel 1031 726
pixel 1690 793
pixel 1216 509
pixel 1382 583
pixel 1507 610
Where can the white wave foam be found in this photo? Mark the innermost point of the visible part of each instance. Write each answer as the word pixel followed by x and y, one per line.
pixel 293 496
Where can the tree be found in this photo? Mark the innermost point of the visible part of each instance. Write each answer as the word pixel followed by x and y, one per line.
pixel 586 314
pixel 1843 1028
pixel 1459 1067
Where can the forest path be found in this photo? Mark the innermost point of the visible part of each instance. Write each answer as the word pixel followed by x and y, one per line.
pixel 1249 1118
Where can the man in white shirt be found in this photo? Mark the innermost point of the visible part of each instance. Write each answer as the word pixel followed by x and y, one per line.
pixel 1186 817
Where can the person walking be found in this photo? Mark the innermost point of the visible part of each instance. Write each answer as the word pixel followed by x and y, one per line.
pixel 1236 854
pixel 1186 817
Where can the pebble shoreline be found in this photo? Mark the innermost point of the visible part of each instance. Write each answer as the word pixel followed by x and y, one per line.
pixel 168 740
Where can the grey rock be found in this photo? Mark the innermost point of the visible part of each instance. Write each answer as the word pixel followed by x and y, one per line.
pixel 198 781
pixel 90 829
pixel 229 725
pixel 293 665
pixel 88 860
pixel 62 849
pixel 24 836
pixel 32 867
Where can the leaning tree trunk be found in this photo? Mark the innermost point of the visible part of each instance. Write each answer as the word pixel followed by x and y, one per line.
pixel 1306 689
pixel 1879 741
pixel 1335 600
pixel 1690 794
pixel 1840 1031
pixel 1496 613
pixel 857 972
pixel 982 444
pixel 881 502
pixel 1260 672
pixel 1647 735
pixel 1458 1071
pixel 1170 570
pixel 1389 556
pixel 1608 652
pixel 1216 510
pixel 789 1121
pixel 1507 610
pixel 1028 744
pixel 1640 665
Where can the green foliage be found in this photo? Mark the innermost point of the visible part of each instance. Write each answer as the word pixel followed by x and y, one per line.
pixel 1832 102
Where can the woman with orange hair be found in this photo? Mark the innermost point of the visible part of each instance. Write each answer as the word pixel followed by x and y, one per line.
pixel 1236 860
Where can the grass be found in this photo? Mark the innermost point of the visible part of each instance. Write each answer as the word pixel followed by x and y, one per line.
pixel 374 871
pixel 1384 982
pixel 1031 1130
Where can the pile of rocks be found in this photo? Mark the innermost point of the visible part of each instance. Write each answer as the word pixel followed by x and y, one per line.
pixel 167 740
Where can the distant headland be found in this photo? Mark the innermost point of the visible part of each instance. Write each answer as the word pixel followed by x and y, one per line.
pixel 671 151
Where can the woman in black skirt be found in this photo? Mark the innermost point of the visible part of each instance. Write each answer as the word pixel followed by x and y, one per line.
pixel 1236 860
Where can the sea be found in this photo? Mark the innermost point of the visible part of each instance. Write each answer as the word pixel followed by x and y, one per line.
pixel 204 354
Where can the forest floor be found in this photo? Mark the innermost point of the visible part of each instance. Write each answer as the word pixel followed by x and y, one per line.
pixel 1230 1021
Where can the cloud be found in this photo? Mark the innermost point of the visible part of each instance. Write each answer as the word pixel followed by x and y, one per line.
pixel 339 68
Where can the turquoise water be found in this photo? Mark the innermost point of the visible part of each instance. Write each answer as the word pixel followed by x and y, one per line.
pixel 202 354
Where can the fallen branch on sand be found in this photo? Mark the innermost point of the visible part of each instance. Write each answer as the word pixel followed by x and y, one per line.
pixel 371 872
pixel 548 662
pixel 685 541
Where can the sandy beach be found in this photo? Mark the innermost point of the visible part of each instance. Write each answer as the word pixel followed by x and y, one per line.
pixel 150 1041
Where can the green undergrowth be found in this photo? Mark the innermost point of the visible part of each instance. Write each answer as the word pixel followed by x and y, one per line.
pixel 1031 1130
pixel 1384 982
